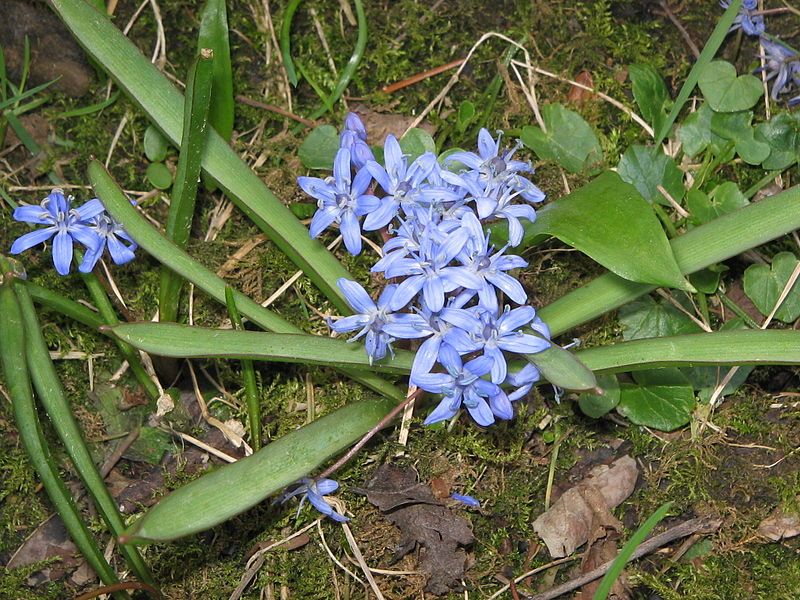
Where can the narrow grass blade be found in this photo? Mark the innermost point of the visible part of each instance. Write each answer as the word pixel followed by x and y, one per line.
pixel 214 36
pixel 708 53
pixel 31 92
pixel 179 261
pixel 248 376
pixel 163 104
pixel 352 64
pixel 172 340
pixel 232 489
pixel 184 191
pixel 286 41
pixel 16 376
pixel 698 248
pixel 51 394
pixel 627 551
pixel 743 347
pixel 89 110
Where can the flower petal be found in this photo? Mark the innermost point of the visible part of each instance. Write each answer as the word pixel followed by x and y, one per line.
pixel 62 252
pixel 31 239
pixel 356 296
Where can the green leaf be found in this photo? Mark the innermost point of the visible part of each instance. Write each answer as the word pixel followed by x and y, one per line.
pixel 724 91
pixel 570 141
pixel 695 131
pixel 466 114
pixel 707 280
pixel 723 199
pixel 155 146
pixel 596 405
pixel 701 247
pixel 763 284
pixel 665 408
pixel 417 142
pixel 668 376
pixel 561 368
pixel 782 134
pixel 150 446
pixel 183 341
pixel 232 489
pixel 741 347
pixel 736 127
pixel 214 36
pixel 319 149
pixel 647 318
pixel 159 175
pixel 608 220
pixel 648 167
pixel 650 93
pixel 163 105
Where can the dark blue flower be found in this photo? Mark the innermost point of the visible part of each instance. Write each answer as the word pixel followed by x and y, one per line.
pixel 111 235
pixel 465 499
pixel 494 334
pixel 462 383
pixel 65 225
pixel 315 491
pixel 341 200
pixel 746 20
pixel 375 321
pixel 352 122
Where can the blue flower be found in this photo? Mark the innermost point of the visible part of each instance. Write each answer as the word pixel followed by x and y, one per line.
pixel 314 491
pixel 748 22
pixel 523 380
pixel 782 66
pixel 111 235
pixel 462 383
pixel 400 181
pixel 375 321
pixel 67 224
pixel 341 200
pixel 352 122
pixel 465 499
pixel 484 330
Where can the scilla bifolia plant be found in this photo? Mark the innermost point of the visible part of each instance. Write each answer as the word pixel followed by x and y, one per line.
pixel 456 224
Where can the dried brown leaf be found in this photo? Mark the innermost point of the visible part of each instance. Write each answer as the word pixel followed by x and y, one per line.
pixel 780 525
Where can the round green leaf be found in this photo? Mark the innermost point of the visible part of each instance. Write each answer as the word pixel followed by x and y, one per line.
pixel 650 93
pixel 695 131
pixel 320 147
pixel 725 91
pixel 647 318
pixel 736 127
pixel 661 407
pixel 158 175
pixel 155 144
pixel 648 167
pixel 595 405
pixel 570 141
pixel 416 143
pixel 763 285
pixel 723 199
pixel 782 134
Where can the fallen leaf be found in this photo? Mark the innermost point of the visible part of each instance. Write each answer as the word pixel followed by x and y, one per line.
pixel 440 534
pixel 50 540
pixel 583 512
pixel 577 95
pixel 599 554
pixel 379 124
pixel 780 525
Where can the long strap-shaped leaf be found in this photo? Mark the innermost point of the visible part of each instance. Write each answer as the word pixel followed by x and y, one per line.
pixel 225 492
pixel 713 242
pixel 163 104
pixel 51 394
pixel 179 261
pixel 745 347
pixel 16 375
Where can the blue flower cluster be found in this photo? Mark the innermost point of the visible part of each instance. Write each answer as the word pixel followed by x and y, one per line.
pixel 88 224
pixel 446 274
pixel 782 62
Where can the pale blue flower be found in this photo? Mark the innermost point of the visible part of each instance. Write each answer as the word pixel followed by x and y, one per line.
pixel 111 235
pixel 375 321
pixel 462 383
pixel 465 499
pixel 65 225
pixel 746 20
pixel 782 67
pixel 315 491
pixel 340 199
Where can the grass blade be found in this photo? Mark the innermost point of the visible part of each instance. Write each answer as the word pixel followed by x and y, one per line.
pixel 51 394
pixel 16 375
pixel 163 104
pixel 214 36
pixel 249 377
pixel 227 491
pixel 286 41
pixel 698 248
pixel 179 261
pixel 627 551
pixel 184 192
